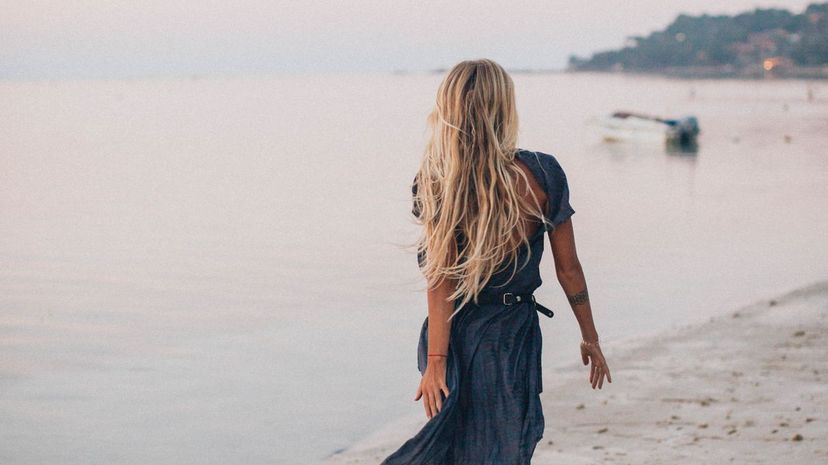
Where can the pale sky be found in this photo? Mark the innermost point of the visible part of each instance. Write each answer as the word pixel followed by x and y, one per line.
pixel 55 39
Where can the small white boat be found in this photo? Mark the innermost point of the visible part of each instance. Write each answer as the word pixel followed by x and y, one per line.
pixel 628 126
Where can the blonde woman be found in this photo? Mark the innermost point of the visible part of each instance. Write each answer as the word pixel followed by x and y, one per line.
pixel 485 206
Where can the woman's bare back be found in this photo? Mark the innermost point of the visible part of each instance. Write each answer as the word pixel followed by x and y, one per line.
pixel 531 225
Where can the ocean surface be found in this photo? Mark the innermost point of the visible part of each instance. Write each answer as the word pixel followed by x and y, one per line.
pixel 216 270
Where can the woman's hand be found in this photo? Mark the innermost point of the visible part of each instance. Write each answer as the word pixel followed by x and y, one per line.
pixel 432 385
pixel 599 368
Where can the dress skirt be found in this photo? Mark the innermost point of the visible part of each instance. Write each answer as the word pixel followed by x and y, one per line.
pixel 492 415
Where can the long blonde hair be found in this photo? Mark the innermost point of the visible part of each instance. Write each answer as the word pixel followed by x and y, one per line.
pixel 465 192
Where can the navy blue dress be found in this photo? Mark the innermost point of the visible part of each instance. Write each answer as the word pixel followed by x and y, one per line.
pixel 493 415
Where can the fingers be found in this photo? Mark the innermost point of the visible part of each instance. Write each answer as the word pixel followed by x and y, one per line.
pixel 437 395
pixel 595 375
pixel 444 389
pixel 437 401
pixel 432 391
pixel 433 401
pixel 601 371
pixel 598 369
pixel 592 368
pixel 421 393
pixel 605 373
pixel 584 357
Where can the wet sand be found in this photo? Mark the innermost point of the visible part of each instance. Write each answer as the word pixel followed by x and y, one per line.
pixel 747 387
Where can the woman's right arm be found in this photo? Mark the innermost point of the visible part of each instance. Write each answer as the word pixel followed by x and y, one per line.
pixel 571 277
pixel 433 383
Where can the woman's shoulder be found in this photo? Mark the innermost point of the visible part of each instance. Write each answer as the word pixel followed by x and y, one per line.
pixel 556 184
pixel 547 162
pixel 542 157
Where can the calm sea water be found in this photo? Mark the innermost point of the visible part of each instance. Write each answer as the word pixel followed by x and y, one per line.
pixel 214 271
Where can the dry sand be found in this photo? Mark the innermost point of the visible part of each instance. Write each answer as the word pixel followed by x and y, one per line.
pixel 743 388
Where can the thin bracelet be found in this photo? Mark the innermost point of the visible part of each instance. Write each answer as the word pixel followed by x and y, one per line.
pixel 589 343
pixel 437 355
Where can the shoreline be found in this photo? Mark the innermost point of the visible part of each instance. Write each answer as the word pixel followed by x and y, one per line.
pixel 746 387
pixel 815 74
pixel 693 74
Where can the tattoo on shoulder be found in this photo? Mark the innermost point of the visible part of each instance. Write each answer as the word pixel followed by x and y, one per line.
pixel 578 298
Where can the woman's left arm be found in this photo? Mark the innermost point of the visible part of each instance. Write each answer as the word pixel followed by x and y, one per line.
pixel 571 277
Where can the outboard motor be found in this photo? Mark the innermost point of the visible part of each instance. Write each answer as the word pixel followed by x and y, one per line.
pixel 683 131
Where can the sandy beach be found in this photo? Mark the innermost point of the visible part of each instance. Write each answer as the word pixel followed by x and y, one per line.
pixel 746 387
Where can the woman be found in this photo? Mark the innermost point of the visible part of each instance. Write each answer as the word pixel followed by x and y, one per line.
pixel 485 205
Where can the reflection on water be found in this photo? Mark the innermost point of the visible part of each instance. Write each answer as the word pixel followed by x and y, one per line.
pixel 212 271
pixel 685 148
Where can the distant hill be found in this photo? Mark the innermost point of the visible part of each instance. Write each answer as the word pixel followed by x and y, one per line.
pixel 753 43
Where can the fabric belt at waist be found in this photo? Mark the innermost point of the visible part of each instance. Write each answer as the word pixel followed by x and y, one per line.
pixel 511 298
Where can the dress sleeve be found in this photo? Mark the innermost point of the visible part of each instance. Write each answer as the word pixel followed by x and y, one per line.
pixel 557 190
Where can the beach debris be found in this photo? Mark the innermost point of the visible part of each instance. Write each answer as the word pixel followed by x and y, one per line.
pixel 797 437
pixel 703 402
pixel 799 333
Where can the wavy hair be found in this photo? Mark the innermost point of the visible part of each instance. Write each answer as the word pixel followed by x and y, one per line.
pixel 465 191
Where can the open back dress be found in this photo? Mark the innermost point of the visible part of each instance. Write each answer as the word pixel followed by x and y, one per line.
pixel 493 415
